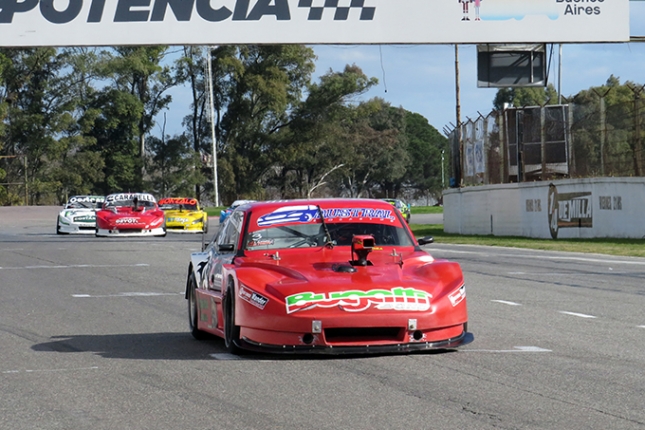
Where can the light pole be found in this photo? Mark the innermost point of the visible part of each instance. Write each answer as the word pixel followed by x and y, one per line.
pixel 213 136
pixel 443 182
pixel 459 170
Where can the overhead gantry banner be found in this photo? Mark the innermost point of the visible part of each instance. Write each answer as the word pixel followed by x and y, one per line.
pixel 216 22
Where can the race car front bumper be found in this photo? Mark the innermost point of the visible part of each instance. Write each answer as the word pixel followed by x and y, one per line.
pixel 398 348
pixel 130 232
pixel 76 228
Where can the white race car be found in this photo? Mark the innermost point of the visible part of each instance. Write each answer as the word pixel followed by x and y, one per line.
pixel 79 215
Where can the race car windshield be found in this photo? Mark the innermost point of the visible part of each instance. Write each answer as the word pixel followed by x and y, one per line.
pixel 177 207
pixel 83 205
pixel 313 235
pixel 84 202
pixel 130 203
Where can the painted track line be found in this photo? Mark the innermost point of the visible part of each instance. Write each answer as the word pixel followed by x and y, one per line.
pixel 517 349
pixel 636 261
pixel 75 266
pixel 506 302
pixel 13 372
pixel 135 294
pixel 576 314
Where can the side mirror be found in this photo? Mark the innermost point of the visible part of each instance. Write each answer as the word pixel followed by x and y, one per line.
pixel 226 247
pixel 425 240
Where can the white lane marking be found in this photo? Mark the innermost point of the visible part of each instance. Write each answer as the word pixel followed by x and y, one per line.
pixel 135 294
pixel 546 257
pixel 517 349
pixel 48 370
pixel 597 260
pixel 225 356
pixel 75 266
pixel 641 326
pixel 505 302
pixel 575 314
pixel 540 273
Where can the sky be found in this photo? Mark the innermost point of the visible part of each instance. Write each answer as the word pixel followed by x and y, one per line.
pixel 421 78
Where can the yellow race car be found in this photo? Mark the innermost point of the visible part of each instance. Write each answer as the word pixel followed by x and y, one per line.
pixel 183 215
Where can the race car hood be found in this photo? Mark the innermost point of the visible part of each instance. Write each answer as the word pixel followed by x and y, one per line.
pixel 86 214
pixel 176 213
pixel 303 281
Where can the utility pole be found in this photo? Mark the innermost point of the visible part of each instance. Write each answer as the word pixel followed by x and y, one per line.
pixel 560 74
pixel 443 182
pixel 458 174
pixel 213 137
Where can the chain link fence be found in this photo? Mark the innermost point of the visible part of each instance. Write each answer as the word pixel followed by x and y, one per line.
pixel 599 137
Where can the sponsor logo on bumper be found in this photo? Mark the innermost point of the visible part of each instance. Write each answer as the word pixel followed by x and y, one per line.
pixel 126 221
pixel 398 299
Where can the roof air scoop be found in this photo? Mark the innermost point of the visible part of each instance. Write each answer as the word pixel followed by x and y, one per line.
pixel 361 247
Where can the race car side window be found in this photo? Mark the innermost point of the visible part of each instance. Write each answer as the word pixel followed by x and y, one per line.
pixel 229 237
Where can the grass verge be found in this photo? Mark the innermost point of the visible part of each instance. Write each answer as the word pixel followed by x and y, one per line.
pixel 426 210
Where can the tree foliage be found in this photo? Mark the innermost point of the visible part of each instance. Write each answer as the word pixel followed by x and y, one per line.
pixel 84 120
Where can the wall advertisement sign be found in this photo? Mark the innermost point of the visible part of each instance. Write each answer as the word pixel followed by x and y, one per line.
pixel 215 22
pixel 569 210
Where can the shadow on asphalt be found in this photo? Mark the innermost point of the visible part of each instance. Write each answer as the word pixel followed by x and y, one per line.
pixel 176 346
pixel 137 346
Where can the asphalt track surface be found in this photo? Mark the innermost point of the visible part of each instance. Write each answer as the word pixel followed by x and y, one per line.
pixel 93 335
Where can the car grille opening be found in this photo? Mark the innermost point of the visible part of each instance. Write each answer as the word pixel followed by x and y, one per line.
pixel 363 334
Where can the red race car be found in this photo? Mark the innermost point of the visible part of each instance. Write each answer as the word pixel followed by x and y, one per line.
pixel 130 214
pixel 328 276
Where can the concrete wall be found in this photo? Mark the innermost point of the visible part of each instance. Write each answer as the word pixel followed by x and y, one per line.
pixel 568 208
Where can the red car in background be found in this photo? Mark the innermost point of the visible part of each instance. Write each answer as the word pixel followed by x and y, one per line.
pixel 130 214
pixel 328 276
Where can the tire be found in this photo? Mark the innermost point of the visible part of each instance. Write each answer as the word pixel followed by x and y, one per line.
pixel 205 225
pixel 58 226
pixel 193 311
pixel 231 331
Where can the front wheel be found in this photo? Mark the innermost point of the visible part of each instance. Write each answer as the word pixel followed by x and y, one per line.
pixel 193 310
pixel 231 331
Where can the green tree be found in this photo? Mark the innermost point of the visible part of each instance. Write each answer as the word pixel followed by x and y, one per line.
pixel 173 171
pixel 137 71
pixel 314 145
pixel 39 110
pixel 191 68
pixel 621 154
pixel 525 96
pixel 376 150
pixel 266 84
pixel 426 147
pixel 112 119
pixel 5 63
